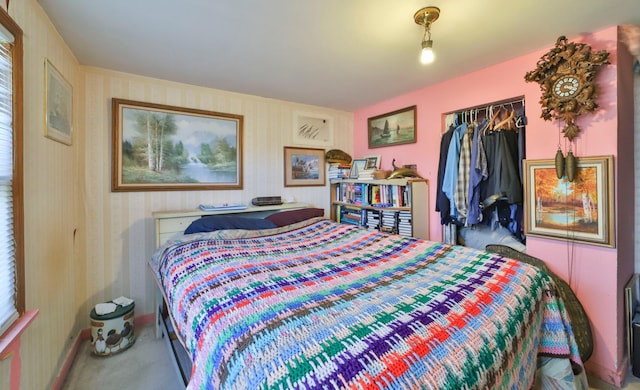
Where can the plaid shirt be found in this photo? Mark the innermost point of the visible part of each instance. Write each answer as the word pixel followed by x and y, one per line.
pixel 464 166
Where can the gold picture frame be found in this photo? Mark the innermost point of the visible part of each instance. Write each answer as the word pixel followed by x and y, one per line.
pixel 165 148
pixel 304 167
pixel 393 128
pixel 581 210
pixel 58 105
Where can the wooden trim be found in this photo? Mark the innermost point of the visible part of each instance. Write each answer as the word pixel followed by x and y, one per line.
pixel 83 336
pixel 15 331
pixel 10 347
pixel 18 180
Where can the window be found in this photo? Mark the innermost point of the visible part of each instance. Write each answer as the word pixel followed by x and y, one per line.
pixel 11 214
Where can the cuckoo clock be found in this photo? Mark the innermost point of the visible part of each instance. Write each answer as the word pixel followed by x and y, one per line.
pixel 566 77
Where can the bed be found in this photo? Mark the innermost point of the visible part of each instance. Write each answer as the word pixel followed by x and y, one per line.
pixel 317 304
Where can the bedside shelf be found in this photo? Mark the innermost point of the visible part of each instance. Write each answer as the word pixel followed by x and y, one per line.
pixel 405 210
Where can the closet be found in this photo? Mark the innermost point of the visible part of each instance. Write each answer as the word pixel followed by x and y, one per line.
pixel 479 189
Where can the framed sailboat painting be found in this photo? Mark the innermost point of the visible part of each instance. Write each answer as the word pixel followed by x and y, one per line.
pixel 393 128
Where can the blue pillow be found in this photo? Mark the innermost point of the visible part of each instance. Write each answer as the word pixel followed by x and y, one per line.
pixel 220 222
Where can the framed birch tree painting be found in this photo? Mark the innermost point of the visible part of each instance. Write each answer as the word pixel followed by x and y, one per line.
pixel 162 148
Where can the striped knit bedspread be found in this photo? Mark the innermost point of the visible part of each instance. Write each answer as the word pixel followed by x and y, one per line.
pixel 334 306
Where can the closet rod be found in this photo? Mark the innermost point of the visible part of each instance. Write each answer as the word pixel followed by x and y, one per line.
pixel 517 99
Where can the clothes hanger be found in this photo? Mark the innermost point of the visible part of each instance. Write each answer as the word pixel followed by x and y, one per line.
pixel 471 123
pixel 494 118
pixel 506 120
pixel 511 125
pixel 502 118
pixel 489 115
pixel 520 122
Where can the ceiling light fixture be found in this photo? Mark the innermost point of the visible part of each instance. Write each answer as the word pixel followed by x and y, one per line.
pixel 425 17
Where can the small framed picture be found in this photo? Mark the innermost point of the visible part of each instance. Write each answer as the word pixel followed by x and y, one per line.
pixel 373 162
pixel 357 166
pixel 58 105
pixel 303 167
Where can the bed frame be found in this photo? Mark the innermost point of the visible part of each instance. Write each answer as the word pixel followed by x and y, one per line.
pixel 167 225
pixel 166 222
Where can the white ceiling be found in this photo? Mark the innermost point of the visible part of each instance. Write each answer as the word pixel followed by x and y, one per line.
pixel 343 54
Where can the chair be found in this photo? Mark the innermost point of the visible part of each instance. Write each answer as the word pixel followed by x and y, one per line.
pixel 577 316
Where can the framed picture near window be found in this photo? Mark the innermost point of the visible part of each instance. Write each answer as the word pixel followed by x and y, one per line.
pixel 581 210
pixel 393 128
pixel 304 167
pixel 161 148
pixel 58 105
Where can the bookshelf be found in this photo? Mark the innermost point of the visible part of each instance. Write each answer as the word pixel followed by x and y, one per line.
pixel 396 206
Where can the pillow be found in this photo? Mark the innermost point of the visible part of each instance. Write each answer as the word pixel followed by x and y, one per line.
pixel 220 222
pixel 292 216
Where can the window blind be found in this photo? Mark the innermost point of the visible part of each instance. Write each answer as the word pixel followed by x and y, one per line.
pixel 8 310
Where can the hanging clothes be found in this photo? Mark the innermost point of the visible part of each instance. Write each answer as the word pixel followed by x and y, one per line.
pixel 442 202
pixel 503 180
pixel 478 173
pixel 461 194
pixel 480 162
pixel 450 182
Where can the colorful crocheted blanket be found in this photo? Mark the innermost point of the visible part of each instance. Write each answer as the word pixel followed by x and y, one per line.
pixel 335 306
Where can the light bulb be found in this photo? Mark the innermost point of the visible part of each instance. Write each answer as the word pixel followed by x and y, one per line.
pixel 427 56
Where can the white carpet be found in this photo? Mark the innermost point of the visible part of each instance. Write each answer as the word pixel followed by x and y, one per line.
pixel 144 365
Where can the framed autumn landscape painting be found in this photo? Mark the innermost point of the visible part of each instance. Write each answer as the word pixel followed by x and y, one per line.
pixel 580 210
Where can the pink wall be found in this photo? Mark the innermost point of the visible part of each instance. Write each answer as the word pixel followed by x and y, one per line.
pixel 593 272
